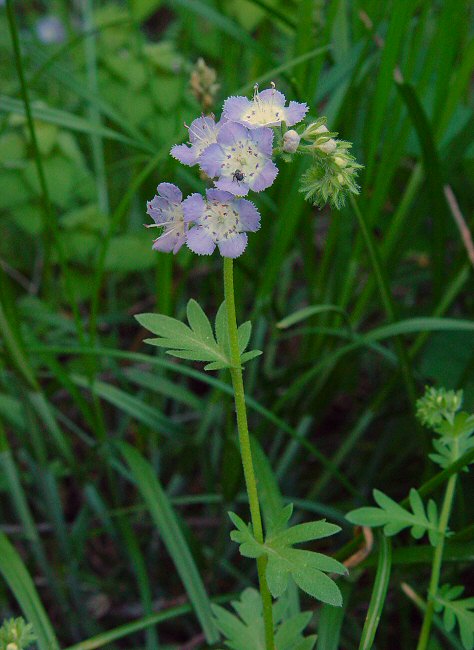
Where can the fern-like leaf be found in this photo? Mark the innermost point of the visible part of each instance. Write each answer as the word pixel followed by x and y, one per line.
pixel 456 438
pixel 458 611
pixel 394 518
pixel 245 629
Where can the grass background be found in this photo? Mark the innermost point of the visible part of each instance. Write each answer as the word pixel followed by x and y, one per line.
pixel 105 538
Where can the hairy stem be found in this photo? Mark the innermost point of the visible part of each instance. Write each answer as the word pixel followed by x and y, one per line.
pixel 437 563
pixel 245 449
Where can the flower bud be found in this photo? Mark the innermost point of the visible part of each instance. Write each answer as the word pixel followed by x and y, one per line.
pixel 203 84
pixel 317 133
pixel 291 140
pixel 342 162
pixel 329 146
pixel 313 130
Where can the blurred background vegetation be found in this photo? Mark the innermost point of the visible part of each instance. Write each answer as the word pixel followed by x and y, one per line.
pixel 109 86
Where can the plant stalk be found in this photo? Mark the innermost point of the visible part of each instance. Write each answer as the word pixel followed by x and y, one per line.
pixel 245 449
pixel 437 563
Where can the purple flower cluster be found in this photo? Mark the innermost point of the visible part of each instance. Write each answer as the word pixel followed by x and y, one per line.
pixel 236 153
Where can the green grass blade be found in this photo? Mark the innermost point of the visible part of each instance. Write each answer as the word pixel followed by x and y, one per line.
pixel 331 620
pixel 387 299
pixel 69 121
pixel 414 325
pixel 202 377
pixel 131 405
pixel 221 22
pixel 21 584
pixel 307 312
pixel 165 520
pixel 97 145
pixel 127 629
pixel 275 12
pixel 47 417
pixel 399 19
pixel 77 86
pixel 24 514
pixel 409 326
pixel 434 180
pixel 379 593
pixel 166 387
pixel 14 345
pixel 139 568
pixel 423 554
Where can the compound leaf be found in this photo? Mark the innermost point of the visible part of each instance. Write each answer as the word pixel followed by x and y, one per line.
pixel 198 342
pixel 245 629
pixel 394 518
pixel 460 611
pixel 307 568
pixel 195 343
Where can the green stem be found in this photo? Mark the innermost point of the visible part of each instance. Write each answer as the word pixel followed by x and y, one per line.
pixel 245 449
pixel 437 563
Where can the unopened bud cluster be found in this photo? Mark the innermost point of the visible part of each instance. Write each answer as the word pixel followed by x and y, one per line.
pixel 203 84
pixel 438 404
pixel 16 634
pixel 333 173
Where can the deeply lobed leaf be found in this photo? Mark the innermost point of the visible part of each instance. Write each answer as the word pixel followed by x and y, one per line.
pixel 245 629
pixel 394 518
pixel 457 610
pixel 307 568
pixel 198 342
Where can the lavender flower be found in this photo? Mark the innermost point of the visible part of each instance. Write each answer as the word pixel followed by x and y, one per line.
pixel 202 133
pixel 241 159
pixel 50 29
pixel 265 109
pixel 219 219
pixel 166 210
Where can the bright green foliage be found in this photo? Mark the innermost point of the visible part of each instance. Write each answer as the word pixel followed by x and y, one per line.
pixel 197 342
pixel 16 634
pixel 456 442
pixel 460 611
pixel 439 410
pixel 246 630
pixel 394 518
pixel 307 568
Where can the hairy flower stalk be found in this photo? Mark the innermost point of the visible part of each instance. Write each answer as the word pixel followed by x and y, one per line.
pixel 238 153
pixel 245 448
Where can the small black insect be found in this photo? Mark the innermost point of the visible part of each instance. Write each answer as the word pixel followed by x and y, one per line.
pixel 238 175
